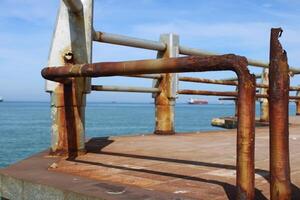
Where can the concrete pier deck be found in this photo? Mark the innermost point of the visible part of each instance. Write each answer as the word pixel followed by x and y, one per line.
pixel 181 167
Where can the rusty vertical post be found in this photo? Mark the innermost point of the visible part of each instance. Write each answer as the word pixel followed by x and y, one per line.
pixel 165 100
pixel 71 44
pixel 264 103
pixel 245 137
pixel 280 185
pixel 297 104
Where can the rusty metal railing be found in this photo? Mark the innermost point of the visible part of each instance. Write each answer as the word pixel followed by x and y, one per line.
pixel 160 46
pixel 70 69
pixel 246 95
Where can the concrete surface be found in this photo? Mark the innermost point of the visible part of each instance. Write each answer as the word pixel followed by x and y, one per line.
pixel 182 166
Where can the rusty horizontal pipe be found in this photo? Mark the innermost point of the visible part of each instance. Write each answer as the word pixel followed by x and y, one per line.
pixel 257 76
pixel 124 89
pixel 246 96
pixel 256 63
pixel 280 181
pixel 220 82
pixel 149 76
pixel 233 99
pixel 224 82
pixel 227 99
pixel 204 80
pixel 222 93
pixel 208 93
pixel 154 66
pixel 128 41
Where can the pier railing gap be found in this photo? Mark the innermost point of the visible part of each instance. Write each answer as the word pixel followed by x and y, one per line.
pixel 70 70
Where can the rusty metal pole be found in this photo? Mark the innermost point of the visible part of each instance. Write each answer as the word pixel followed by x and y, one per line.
pixel 245 137
pixel 165 100
pixel 280 183
pixel 71 44
pixel 297 103
pixel 264 103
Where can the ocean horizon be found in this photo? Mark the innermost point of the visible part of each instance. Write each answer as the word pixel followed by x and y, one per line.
pixel 25 126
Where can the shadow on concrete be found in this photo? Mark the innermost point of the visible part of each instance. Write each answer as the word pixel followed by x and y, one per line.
pixel 228 188
pixel 95 145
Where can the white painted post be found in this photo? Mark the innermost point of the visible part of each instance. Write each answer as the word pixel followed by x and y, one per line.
pixel 168 85
pixel 71 43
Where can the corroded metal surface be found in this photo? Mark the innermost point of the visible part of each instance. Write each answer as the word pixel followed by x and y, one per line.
pixel 114 88
pixel 182 64
pixel 167 84
pixel 71 43
pixel 149 76
pixel 245 135
pixel 204 80
pixel 246 97
pixel 280 184
pixel 67 119
pixel 257 76
pixel 208 93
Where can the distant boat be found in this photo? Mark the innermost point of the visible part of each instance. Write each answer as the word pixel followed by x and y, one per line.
pixel 197 101
pixel 1 99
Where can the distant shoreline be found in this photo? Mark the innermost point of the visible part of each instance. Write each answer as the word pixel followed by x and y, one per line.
pixel 110 102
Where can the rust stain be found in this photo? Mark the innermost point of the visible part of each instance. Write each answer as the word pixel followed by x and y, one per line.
pixel 68 120
pixel 164 108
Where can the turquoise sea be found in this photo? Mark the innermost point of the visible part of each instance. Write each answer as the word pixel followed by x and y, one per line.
pixel 25 126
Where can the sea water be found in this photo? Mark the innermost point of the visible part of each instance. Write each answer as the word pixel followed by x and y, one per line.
pixel 25 126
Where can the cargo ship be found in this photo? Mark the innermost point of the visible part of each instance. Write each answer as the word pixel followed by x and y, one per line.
pixel 197 101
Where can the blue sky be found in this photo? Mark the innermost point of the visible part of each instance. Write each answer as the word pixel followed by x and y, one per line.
pixel 241 27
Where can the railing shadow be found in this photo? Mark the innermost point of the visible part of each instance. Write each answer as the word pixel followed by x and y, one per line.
pixel 95 145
